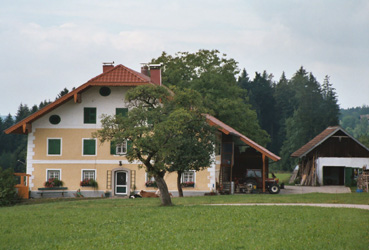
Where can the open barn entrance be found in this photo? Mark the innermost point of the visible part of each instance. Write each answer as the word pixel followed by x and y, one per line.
pixel 334 175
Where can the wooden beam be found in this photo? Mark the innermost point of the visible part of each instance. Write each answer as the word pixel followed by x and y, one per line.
pixel 26 128
pixel 77 98
pixel 263 172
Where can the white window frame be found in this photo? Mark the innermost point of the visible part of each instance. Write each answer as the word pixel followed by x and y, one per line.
pixel 92 170
pixel 193 174
pixel 147 178
pixel 47 146
pixel 122 148
pixel 53 169
pixel 83 139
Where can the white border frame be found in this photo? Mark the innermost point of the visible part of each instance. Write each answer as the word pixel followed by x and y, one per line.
pixel 88 170
pixel 59 169
pixel 47 146
pixel 83 139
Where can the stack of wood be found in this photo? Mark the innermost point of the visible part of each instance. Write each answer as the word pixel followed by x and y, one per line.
pixel 307 171
pixel 363 180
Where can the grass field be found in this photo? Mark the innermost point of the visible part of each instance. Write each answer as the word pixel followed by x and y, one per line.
pixel 143 224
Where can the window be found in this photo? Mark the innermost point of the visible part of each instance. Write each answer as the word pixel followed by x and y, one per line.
pixel 89 116
pixel 188 176
pixel 53 146
pixel 121 148
pixel 88 174
pixel 89 147
pixel 53 174
pixel 121 111
pixel 105 91
pixel 54 119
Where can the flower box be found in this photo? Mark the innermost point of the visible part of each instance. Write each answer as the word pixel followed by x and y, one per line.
pixel 53 182
pixel 151 184
pixel 89 183
pixel 188 184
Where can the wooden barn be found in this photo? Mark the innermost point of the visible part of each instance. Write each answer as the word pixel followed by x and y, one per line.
pixel 333 157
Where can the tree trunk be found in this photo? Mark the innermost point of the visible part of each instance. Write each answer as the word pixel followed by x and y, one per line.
pixel 164 193
pixel 179 186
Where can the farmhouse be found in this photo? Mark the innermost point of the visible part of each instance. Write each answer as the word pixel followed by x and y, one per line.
pixel 333 157
pixel 60 144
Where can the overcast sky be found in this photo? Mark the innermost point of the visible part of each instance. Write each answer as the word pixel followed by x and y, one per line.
pixel 48 45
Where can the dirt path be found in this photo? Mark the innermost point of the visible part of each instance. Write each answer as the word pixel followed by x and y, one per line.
pixel 366 207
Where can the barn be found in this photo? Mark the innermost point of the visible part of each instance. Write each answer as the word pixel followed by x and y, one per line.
pixel 333 157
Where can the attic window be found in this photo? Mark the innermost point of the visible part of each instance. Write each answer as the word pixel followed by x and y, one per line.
pixel 105 91
pixel 54 119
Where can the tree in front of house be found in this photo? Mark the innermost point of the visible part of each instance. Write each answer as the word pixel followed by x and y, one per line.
pixel 154 126
pixel 195 145
pixel 213 75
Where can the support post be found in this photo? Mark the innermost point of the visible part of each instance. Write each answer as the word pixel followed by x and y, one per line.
pixel 263 173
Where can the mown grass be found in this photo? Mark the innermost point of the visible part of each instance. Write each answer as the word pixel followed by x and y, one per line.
pixel 143 224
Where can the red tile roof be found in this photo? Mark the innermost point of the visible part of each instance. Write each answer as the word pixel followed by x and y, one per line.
pixel 117 76
pixel 319 139
pixel 229 130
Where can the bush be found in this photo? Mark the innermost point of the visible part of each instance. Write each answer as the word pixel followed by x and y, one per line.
pixel 8 194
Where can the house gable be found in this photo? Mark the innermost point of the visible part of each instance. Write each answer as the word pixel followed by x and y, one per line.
pixel 116 76
pixel 333 142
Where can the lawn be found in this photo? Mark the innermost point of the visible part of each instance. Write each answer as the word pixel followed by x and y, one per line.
pixel 143 224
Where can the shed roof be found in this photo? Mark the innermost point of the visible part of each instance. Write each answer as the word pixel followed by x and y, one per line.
pixel 320 138
pixel 117 76
pixel 229 130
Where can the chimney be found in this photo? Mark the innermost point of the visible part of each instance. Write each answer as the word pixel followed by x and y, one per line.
pixel 155 73
pixel 145 69
pixel 107 66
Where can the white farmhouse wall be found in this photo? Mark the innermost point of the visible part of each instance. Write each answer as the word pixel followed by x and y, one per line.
pixel 71 113
pixel 338 162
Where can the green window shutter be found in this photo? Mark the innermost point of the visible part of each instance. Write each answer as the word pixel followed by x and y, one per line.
pixel 121 111
pixel 113 146
pixel 54 147
pixel 89 115
pixel 129 146
pixel 89 147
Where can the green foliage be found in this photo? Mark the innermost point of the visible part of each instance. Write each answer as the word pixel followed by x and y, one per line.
pixel 155 143
pixel 92 224
pixel 8 194
pixel 214 77
pixel 315 109
pixel 355 122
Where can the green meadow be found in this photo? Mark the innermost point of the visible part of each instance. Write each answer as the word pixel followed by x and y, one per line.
pixel 189 224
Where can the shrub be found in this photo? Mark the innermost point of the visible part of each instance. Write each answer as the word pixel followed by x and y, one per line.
pixel 151 184
pixel 8 194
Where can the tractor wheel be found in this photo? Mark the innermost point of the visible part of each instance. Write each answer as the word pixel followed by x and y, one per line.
pixel 274 189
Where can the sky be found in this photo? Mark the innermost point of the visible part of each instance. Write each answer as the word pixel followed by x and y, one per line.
pixel 46 46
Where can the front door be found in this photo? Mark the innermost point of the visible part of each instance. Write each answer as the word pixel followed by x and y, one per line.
pixel 121 183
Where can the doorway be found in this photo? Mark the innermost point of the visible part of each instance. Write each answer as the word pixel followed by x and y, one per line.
pixel 120 185
pixel 334 175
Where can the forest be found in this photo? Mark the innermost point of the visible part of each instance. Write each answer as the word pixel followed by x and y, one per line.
pixel 281 114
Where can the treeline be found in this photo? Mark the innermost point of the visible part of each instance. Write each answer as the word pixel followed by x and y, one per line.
pixel 292 111
pixel 13 147
pixel 356 122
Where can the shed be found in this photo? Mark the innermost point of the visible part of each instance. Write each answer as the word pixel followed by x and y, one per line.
pixel 333 157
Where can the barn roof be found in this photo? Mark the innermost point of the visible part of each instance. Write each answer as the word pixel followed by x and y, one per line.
pixel 320 138
pixel 229 130
pixel 116 76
